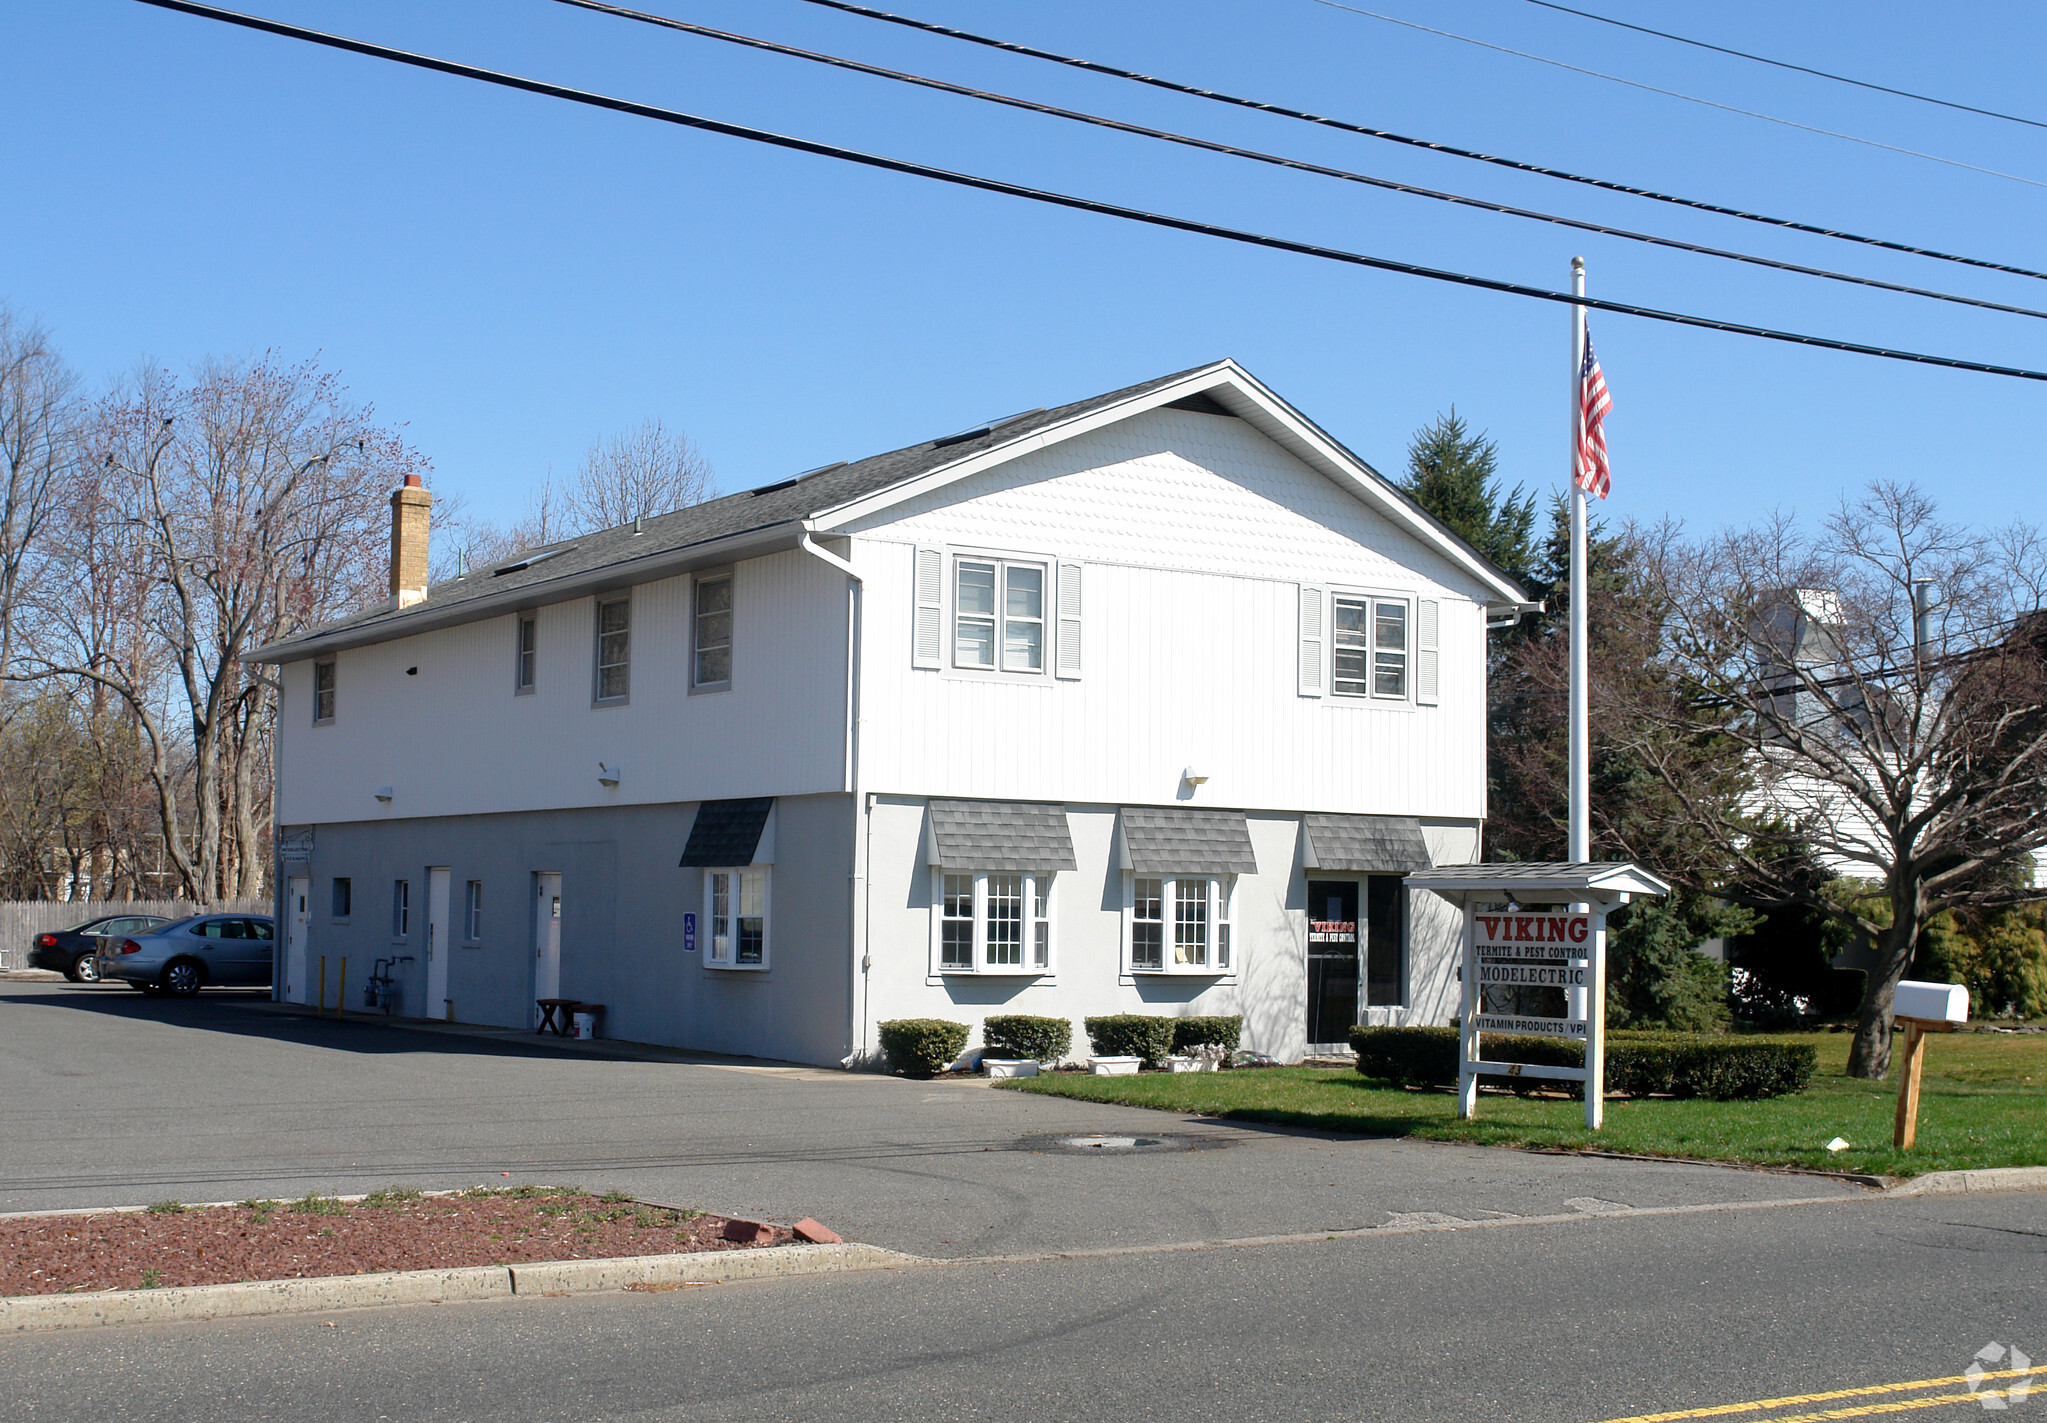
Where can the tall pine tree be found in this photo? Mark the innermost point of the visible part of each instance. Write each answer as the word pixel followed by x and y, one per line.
pixel 1454 474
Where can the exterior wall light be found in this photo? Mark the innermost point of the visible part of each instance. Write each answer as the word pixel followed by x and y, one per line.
pixel 607 775
pixel 1193 777
pixel 383 794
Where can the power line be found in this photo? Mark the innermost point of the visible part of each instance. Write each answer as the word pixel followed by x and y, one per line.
pixel 1784 64
pixel 1298 165
pixel 1064 200
pixel 1562 175
pixel 1674 94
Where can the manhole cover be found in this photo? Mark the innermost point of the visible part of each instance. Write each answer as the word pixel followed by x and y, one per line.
pixel 1110 1144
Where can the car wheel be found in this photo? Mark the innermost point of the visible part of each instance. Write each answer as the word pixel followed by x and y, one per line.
pixel 72 972
pixel 86 970
pixel 182 978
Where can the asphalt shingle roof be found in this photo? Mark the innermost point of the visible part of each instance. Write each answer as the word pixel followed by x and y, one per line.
pixel 1001 835
pixel 1173 840
pixel 726 832
pixel 1372 844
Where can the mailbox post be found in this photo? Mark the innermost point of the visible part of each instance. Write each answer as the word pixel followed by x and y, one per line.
pixel 1922 1008
pixel 1534 948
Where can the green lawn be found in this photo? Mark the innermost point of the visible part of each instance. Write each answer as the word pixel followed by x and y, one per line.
pixel 1983 1102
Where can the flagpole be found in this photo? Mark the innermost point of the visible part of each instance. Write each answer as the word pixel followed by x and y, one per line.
pixel 1581 804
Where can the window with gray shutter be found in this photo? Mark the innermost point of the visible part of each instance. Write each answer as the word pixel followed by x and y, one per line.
pixel 1425 652
pixel 1066 661
pixel 1312 636
pixel 927 633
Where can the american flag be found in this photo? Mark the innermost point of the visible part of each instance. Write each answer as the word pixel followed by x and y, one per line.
pixel 1593 402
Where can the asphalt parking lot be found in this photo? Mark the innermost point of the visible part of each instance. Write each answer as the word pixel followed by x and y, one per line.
pixel 115 1099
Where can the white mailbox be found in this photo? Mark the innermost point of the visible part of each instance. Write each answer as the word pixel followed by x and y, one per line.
pixel 1932 1002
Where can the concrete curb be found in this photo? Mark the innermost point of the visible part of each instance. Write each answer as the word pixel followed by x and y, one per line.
pixel 1956 1183
pixel 21 1314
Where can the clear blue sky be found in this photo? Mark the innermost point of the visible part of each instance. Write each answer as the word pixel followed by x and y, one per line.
pixel 513 277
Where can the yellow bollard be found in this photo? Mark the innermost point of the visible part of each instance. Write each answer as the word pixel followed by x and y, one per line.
pixel 341 990
pixel 322 1010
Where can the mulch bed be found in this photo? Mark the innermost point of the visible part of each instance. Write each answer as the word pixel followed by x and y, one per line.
pixel 171 1244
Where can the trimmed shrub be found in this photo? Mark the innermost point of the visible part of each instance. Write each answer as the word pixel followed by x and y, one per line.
pixel 1639 1064
pixel 922 1047
pixel 1224 1033
pixel 1131 1035
pixel 1020 1035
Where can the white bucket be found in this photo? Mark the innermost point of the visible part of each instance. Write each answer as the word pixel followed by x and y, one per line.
pixel 586 1025
pixel 1009 1067
pixel 1114 1066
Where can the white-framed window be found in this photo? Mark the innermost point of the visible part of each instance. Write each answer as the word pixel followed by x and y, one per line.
pixel 472 913
pixel 1370 647
pixel 1179 924
pixel 323 690
pixel 614 648
pixel 993 921
pixel 401 908
pixel 736 917
pixel 526 654
pixel 998 615
pixel 711 667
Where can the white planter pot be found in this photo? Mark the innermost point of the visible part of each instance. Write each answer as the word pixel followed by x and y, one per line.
pixel 1183 1064
pixel 1114 1066
pixel 1009 1067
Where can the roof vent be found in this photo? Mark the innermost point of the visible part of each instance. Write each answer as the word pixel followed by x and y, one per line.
pixel 1202 403
pixel 962 437
pixel 526 563
pixel 771 488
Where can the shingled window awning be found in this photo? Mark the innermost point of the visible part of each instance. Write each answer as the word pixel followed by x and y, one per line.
pixel 998 835
pixel 1180 840
pixel 727 833
pixel 1371 844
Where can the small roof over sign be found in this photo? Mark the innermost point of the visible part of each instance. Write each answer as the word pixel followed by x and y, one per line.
pixel 1606 880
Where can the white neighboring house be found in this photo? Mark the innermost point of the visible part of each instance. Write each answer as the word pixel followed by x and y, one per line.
pixel 1141 704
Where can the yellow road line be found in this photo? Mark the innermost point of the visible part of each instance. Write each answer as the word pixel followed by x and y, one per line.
pixel 1790 1400
pixel 1903 1405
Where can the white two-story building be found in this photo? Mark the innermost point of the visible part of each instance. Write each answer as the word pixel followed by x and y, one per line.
pixel 1141 704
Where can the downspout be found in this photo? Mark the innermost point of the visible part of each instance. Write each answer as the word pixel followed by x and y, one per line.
pixel 860 962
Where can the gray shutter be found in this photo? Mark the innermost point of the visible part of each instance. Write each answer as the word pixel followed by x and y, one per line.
pixel 1066 657
pixel 1425 656
pixel 1313 638
pixel 927 634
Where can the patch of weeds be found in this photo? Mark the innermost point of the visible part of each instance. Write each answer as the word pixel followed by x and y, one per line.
pixel 310 1204
pixel 615 1198
pixel 168 1208
pixel 152 1279
pixel 262 1208
pixel 326 1232
pixel 391 1196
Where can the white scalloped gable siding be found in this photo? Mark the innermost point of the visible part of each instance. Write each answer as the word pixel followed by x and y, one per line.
pixel 1196 532
pixel 1173 489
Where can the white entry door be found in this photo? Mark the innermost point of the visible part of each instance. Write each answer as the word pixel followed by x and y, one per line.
pixel 547 939
pixel 437 941
pixel 296 892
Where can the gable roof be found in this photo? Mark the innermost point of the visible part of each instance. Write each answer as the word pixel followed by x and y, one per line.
pixel 777 516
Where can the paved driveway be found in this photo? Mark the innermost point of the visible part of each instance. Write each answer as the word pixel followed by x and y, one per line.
pixel 114 1099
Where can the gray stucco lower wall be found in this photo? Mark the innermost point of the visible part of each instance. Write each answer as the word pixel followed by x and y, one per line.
pixel 623 899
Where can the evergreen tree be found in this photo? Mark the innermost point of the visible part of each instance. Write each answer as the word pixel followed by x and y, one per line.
pixel 1454 474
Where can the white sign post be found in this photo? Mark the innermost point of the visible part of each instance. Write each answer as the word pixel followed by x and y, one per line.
pixel 1534 964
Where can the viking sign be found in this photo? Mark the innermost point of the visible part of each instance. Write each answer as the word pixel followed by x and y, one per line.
pixel 1525 964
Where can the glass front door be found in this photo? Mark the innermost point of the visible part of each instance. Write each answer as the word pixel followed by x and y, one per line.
pixel 1332 962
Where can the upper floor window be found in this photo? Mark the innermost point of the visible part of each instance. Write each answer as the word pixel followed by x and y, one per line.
pixel 323 690
pixel 1180 925
pixel 614 647
pixel 994 922
pixel 1371 647
pixel 999 615
pixel 713 632
pixel 528 653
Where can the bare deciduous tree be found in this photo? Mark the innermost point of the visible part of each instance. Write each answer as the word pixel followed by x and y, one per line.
pixel 36 412
pixel 635 475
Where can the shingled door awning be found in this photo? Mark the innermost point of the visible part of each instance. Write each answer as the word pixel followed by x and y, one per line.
pixel 728 832
pixel 998 835
pixel 1371 844
pixel 1180 840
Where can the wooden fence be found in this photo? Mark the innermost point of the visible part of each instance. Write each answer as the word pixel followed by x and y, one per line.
pixel 22 919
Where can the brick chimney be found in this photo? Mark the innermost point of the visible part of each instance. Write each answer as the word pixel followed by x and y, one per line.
pixel 411 508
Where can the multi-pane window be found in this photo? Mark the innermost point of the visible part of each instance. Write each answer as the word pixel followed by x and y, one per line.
pixel 527 655
pixel 738 901
pixel 1189 912
pixel 956 927
pixel 999 615
pixel 323 690
pixel 472 913
pixel 614 647
pixel 1370 654
pixel 401 908
pixel 714 631
pixel 999 921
